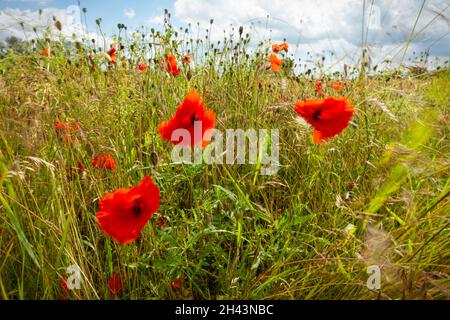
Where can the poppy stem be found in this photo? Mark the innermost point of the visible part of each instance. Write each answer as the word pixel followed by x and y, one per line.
pixel 362 84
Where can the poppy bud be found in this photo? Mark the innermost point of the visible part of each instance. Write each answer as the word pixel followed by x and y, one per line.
pixel 58 25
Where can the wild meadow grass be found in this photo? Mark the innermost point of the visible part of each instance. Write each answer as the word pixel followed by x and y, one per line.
pixel 377 194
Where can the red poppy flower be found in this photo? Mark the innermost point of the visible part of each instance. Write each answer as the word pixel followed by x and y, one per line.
pixel 186 59
pixel 59 126
pixel 319 90
pixel 171 65
pixel 90 57
pixel 328 116
pixel 65 289
pixel 64 284
pixel 280 47
pixel 177 283
pixel 115 285
pixel 124 212
pixel 112 54
pixel 143 67
pixel 67 131
pixel 104 161
pixel 80 167
pixel 190 111
pixel 337 86
pixel 276 62
pixel 45 52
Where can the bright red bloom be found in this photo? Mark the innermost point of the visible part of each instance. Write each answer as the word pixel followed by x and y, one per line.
pixel 67 131
pixel 112 54
pixel 143 67
pixel 65 288
pixel 171 65
pixel 64 284
pixel 90 57
pixel 280 47
pixel 177 283
pixel 186 59
pixel 192 110
pixel 45 52
pixel 337 86
pixel 104 161
pixel 276 62
pixel 319 88
pixel 59 125
pixel 328 116
pixel 115 285
pixel 124 212
pixel 80 167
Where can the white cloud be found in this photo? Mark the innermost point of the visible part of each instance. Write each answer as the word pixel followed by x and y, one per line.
pixel 325 26
pixel 129 13
pixel 10 20
pixel 158 20
pixel 39 2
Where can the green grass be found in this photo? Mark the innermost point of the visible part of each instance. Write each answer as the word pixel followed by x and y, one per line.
pixel 228 231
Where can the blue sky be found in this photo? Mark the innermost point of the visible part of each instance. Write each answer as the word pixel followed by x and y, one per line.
pixel 321 27
pixel 111 12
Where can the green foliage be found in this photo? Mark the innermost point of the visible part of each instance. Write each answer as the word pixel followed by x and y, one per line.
pixel 227 231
